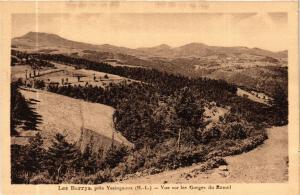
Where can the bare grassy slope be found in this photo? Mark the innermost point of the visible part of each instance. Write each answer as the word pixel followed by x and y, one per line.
pixel 70 116
pixel 266 163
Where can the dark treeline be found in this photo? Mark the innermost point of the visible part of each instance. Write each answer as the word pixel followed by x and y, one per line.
pixel 21 58
pixel 22 114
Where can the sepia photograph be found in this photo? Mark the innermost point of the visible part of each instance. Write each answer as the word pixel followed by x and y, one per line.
pixel 150 98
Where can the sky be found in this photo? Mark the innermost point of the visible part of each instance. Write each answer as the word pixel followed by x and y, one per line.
pixel 133 30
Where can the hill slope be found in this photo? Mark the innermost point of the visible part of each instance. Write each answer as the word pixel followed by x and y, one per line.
pixel 76 120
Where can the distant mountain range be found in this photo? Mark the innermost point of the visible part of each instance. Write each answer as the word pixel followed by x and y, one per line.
pixel 191 50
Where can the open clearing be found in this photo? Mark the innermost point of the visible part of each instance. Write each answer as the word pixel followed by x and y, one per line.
pixel 63 72
pixel 243 93
pixel 70 116
pixel 266 163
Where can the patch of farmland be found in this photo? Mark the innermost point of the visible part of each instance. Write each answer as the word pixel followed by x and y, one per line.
pixel 243 93
pixel 82 122
pixel 70 70
pixel 124 65
pixel 69 75
pixel 20 71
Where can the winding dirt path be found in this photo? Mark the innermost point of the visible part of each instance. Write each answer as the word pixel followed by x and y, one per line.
pixel 266 164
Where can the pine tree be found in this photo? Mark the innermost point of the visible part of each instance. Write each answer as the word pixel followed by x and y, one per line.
pixel 190 117
pixel 17 164
pixel 34 154
pixel 188 110
pixel 280 106
pixel 62 157
pixel 115 155
pixel 27 160
pixel 89 160
pixel 20 111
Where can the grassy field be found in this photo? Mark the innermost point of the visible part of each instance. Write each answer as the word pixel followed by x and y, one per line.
pixel 73 117
pixel 243 93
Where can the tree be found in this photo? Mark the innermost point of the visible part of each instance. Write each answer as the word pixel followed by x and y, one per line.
pixel 27 160
pixel 115 155
pixel 19 108
pixel 62 157
pixel 89 160
pixel 188 110
pixel 39 84
pixel 34 154
pixel 190 116
pixel 280 106
pixel 17 165
pixel 280 97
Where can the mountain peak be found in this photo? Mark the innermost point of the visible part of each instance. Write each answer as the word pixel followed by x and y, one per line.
pixel 39 35
pixel 194 44
pixel 29 34
pixel 158 47
pixel 163 46
pixel 108 45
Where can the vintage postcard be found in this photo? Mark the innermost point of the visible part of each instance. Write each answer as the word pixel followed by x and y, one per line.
pixel 149 97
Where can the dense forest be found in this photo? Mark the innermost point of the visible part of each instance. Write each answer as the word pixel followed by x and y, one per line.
pixel 162 114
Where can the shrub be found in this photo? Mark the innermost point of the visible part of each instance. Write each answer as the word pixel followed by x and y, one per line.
pixel 134 161
pixel 115 155
pixel 39 84
pixel 102 176
pixel 212 163
pixel 89 160
pixel 41 178
pixel 234 130
pixel 210 134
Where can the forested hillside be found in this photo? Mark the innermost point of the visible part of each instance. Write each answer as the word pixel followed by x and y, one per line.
pixel 163 115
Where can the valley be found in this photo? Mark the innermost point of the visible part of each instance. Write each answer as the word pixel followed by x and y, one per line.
pixel 115 113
